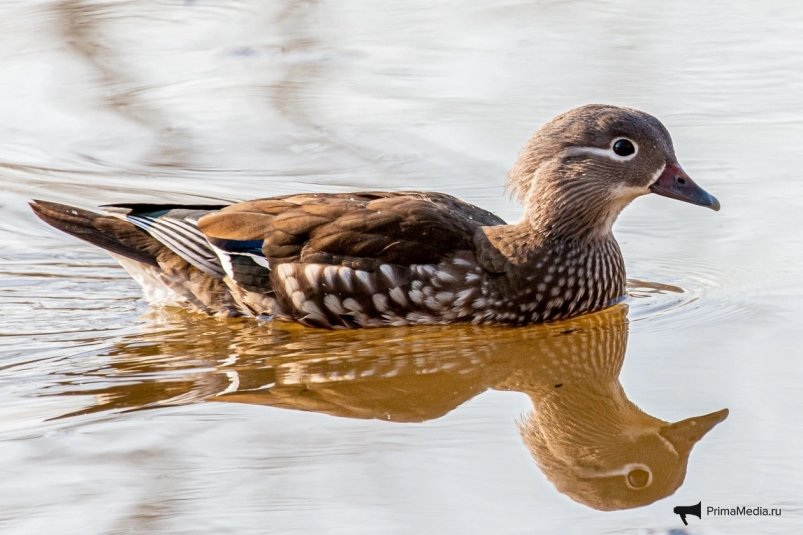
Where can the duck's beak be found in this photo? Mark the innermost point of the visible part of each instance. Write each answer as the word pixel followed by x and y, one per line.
pixel 676 184
pixel 686 433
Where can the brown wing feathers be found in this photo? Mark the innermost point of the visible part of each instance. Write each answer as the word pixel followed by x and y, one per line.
pixel 360 230
pixel 336 257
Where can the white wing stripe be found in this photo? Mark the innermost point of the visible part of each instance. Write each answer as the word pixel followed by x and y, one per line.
pixel 183 239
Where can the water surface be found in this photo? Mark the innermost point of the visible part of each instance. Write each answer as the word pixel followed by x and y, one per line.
pixel 116 418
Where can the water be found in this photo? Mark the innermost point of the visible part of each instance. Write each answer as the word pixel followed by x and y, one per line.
pixel 116 418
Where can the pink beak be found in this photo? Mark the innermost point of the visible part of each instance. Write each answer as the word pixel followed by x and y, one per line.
pixel 676 184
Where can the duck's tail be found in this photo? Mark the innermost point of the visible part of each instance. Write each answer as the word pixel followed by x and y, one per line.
pixel 173 269
pixel 107 232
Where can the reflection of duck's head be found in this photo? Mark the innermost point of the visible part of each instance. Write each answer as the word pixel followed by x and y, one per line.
pixel 617 464
pixel 590 440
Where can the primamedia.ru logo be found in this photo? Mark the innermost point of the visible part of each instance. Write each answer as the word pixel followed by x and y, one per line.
pixel 743 510
pixel 699 510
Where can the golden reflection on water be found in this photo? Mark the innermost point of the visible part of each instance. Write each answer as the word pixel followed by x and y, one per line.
pixel 588 438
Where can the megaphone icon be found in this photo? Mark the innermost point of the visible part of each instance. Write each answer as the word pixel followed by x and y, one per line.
pixel 684 510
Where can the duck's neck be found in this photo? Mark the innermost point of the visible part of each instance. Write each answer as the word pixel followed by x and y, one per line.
pixel 569 215
pixel 561 203
pixel 537 237
pixel 560 277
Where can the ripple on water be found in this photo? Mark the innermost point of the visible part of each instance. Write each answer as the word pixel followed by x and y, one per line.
pixel 689 292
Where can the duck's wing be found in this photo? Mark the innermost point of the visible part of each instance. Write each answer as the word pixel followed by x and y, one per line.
pixel 358 230
pixel 188 249
pixel 175 226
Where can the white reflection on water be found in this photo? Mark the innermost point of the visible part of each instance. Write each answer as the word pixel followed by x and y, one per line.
pixel 189 101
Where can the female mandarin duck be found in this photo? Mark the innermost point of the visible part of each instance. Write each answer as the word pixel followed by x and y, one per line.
pixel 399 258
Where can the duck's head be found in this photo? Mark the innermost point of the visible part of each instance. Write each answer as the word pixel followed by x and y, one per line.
pixel 615 460
pixel 584 166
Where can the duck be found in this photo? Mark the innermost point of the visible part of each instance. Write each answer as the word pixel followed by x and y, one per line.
pixel 380 258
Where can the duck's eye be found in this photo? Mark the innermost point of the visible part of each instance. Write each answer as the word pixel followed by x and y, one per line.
pixel 638 479
pixel 624 147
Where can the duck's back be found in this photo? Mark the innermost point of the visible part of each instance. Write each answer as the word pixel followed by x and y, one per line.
pixel 329 260
pixel 357 259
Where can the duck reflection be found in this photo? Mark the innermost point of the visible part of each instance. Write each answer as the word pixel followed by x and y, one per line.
pixel 591 441
pixel 588 438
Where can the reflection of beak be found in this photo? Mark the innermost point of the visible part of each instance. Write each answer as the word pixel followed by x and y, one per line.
pixel 676 184
pixel 685 433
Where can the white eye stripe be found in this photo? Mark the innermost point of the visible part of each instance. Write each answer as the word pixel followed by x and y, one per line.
pixel 607 153
pixel 621 471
